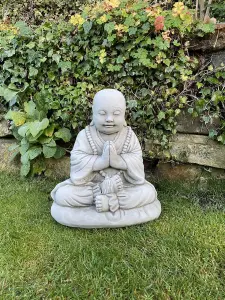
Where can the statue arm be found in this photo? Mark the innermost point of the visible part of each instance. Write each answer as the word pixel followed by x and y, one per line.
pixel 133 158
pixel 82 160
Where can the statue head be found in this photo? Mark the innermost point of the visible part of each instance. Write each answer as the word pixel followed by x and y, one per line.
pixel 108 108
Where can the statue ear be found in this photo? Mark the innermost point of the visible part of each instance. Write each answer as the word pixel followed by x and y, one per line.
pixel 125 124
pixel 92 123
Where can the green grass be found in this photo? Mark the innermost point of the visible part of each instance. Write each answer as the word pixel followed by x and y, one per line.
pixel 179 256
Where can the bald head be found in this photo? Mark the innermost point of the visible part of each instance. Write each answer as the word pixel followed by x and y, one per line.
pixel 109 95
pixel 109 107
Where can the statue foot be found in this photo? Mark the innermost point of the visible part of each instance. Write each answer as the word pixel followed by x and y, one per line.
pixel 102 203
pixel 96 191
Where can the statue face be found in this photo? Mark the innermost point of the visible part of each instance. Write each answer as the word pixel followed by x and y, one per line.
pixel 109 111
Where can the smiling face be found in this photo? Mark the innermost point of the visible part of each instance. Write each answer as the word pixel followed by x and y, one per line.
pixel 109 111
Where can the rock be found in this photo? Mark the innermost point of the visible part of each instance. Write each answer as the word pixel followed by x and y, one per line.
pixel 187 124
pixel 171 171
pixel 4 128
pixel 7 164
pixel 218 58
pixel 58 168
pixel 192 148
pixel 188 172
pixel 211 42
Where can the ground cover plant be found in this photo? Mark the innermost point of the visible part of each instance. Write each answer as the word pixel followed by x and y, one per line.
pixel 179 256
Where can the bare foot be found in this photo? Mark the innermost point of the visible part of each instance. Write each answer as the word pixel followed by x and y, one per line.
pixel 102 203
pixel 96 191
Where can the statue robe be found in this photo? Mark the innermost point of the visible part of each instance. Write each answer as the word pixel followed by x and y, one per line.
pixel 79 190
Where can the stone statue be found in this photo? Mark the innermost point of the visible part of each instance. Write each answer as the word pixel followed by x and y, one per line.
pixel 107 186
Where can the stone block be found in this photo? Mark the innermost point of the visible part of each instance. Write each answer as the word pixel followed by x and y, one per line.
pixel 192 148
pixel 190 172
pixel 171 171
pixel 7 164
pixel 211 42
pixel 58 168
pixel 187 124
pixel 4 128
pixel 218 58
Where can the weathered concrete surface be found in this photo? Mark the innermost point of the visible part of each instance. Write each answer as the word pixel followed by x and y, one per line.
pixel 187 124
pixel 211 42
pixel 192 148
pixel 4 128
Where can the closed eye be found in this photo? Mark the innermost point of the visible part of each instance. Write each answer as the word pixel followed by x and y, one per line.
pixel 117 112
pixel 102 112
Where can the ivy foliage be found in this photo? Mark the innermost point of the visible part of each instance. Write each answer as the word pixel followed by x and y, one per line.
pixel 50 73
pixel 39 11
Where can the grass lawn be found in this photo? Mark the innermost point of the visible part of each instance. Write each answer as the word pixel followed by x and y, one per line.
pixel 179 256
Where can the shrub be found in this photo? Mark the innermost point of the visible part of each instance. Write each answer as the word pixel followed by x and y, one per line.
pixel 50 73
pixel 40 11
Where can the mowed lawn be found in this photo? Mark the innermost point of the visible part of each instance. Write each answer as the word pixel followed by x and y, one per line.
pixel 179 256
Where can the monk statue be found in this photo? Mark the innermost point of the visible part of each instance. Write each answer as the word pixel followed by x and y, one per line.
pixel 107 186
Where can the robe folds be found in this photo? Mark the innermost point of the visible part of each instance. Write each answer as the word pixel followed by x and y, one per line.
pixel 81 189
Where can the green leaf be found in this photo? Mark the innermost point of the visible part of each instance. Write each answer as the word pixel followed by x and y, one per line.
pixel 60 152
pixel 132 30
pixel 161 115
pixel 34 151
pixel 30 45
pixel 36 126
pixel 23 129
pixel 210 68
pixel 52 143
pixel 2 89
pixel 44 139
pixel 49 151
pixel 56 58
pixel 87 26
pixel 190 110
pixel 10 94
pixel 49 36
pixel 109 27
pixel 13 147
pixel 49 131
pixel 25 169
pixel 177 111
pixel 7 65
pixel 32 72
pixel 64 65
pixel 64 134
pixel 50 53
pixel 24 30
pixel 30 108
pixel 25 158
pixel 18 117
pixel 10 53
pixel 212 133
pixel 24 146
pixel 131 103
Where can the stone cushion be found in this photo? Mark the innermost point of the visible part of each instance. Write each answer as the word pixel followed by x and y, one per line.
pixel 88 217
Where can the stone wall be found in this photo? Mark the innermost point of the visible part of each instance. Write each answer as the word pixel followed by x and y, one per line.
pixel 192 153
